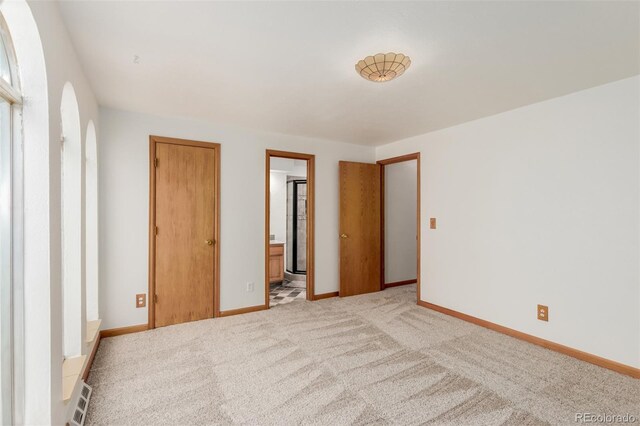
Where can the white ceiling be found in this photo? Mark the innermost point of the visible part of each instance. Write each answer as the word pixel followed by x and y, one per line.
pixel 288 67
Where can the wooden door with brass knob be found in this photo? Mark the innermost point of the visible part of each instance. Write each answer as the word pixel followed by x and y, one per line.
pixel 360 228
pixel 185 208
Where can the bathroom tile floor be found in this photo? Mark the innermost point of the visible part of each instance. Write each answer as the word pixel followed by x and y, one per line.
pixel 287 292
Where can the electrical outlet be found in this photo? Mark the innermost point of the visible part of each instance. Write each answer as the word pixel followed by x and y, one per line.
pixel 543 313
pixel 250 287
pixel 141 300
pixel 432 223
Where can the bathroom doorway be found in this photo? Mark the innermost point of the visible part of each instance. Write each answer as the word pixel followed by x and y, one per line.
pixel 289 226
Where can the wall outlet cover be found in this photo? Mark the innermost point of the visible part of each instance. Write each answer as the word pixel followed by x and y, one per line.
pixel 543 313
pixel 141 300
pixel 250 287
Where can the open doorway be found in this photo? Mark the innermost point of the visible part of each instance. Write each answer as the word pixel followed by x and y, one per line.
pixel 289 225
pixel 400 221
pixel 379 225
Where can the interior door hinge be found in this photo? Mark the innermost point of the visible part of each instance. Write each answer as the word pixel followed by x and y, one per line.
pixel 155 298
pixel 156 161
pixel 156 230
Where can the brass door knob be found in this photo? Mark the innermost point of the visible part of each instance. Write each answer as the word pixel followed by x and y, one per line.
pixel 343 235
pixel 209 242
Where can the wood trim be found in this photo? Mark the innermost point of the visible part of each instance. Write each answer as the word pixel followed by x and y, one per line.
pixel 123 330
pixel 399 283
pixel 556 347
pixel 326 295
pixel 311 222
pixel 92 355
pixel 418 231
pixel 290 155
pixel 216 231
pixel 243 310
pixel 267 226
pixel 311 227
pixel 382 227
pixel 393 160
pixel 399 159
pixel 186 142
pixel 151 314
pixel 153 140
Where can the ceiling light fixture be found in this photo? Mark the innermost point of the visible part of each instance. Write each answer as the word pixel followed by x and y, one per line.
pixel 383 67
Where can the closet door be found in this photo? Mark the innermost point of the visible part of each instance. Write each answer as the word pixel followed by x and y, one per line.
pixel 184 241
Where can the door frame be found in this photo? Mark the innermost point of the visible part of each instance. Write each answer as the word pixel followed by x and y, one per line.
pixel 311 223
pixel 153 140
pixel 383 163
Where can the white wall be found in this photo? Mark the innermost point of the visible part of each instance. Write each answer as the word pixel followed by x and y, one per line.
pixel 74 315
pixel 124 198
pixel 400 221
pixel 291 167
pixel 47 46
pixel 278 205
pixel 539 205
pixel 91 220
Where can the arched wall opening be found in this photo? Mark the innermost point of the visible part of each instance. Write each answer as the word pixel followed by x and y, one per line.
pixel 71 185
pixel 32 299
pixel 91 218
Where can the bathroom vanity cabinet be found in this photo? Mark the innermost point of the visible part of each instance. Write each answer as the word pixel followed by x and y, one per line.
pixel 276 262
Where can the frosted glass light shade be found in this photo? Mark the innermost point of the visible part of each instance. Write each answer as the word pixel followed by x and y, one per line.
pixel 383 66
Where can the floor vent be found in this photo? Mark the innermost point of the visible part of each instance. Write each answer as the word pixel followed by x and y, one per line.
pixel 80 412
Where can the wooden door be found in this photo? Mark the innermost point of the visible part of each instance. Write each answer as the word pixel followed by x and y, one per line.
pixel 360 228
pixel 184 245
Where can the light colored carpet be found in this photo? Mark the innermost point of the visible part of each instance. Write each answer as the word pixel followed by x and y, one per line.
pixel 372 359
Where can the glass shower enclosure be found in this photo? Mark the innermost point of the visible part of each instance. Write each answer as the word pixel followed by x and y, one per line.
pixel 296 262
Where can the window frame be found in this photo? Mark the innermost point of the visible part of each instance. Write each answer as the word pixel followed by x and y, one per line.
pixel 14 261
